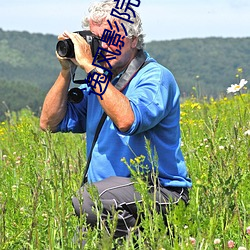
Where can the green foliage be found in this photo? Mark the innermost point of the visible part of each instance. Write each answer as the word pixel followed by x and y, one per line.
pixel 216 146
pixel 26 57
pixel 28 68
pixel 40 172
pixel 14 95
pixel 36 184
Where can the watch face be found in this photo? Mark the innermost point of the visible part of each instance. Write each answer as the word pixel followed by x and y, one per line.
pixel 99 70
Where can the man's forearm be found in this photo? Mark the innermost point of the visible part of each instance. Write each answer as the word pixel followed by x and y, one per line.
pixel 117 107
pixel 55 103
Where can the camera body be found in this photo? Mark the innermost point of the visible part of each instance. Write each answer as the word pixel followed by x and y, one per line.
pixel 65 48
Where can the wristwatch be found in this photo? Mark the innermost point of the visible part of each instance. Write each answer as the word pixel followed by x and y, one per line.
pixel 97 70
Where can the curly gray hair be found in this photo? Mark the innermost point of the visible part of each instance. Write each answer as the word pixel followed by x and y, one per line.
pixel 101 10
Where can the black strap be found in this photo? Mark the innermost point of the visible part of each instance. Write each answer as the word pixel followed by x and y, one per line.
pixel 97 132
pixel 136 64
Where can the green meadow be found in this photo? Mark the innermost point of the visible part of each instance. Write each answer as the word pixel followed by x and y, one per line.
pixel 40 172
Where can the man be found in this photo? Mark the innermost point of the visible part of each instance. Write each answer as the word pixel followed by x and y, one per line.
pixel 144 106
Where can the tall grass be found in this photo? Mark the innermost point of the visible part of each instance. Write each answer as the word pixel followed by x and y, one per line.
pixel 40 172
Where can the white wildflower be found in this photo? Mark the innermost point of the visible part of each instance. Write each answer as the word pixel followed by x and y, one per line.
pixel 248 230
pixel 14 188
pixel 192 240
pixel 247 133
pixel 237 87
pixel 217 241
pixel 242 248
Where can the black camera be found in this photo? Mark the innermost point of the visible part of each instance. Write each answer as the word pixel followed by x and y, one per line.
pixel 65 48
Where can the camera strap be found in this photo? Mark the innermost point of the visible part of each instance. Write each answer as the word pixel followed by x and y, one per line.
pixel 136 64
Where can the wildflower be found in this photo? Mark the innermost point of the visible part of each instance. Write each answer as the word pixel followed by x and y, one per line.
pixel 216 241
pixel 14 188
pixel 240 70
pixel 247 133
pixel 45 216
pixel 123 160
pixel 248 230
pixel 230 244
pixel 71 167
pixel 137 159
pixel 242 248
pixel 198 182
pixel 221 147
pixel 192 240
pixel 195 106
pixel 132 162
pixel 237 87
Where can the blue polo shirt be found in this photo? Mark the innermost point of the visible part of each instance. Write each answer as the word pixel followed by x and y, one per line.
pixel 154 97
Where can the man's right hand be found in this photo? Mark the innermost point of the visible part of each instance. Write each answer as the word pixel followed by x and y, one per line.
pixel 66 63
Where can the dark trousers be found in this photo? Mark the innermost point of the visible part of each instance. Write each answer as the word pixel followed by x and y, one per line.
pixel 119 194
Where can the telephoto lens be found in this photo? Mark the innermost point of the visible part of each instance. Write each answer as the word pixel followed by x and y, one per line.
pixel 65 48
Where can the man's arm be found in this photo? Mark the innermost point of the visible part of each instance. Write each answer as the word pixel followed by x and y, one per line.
pixel 117 107
pixel 55 103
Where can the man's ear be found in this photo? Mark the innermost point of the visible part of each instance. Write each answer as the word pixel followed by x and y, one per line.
pixel 134 42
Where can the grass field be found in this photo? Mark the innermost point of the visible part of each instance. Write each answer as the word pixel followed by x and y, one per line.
pixel 40 172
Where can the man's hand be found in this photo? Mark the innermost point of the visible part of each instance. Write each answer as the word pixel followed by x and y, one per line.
pixel 83 54
pixel 66 63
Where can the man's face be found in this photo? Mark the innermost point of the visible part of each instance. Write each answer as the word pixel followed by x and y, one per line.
pixel 128 51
